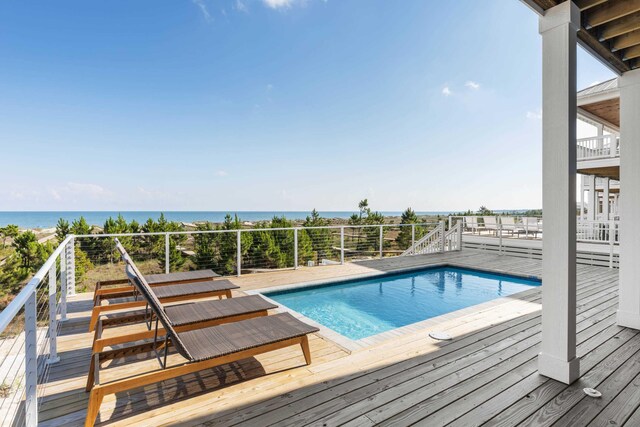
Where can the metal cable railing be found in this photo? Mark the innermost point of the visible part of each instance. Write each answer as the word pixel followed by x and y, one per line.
pixel 241 251
pixel 29 327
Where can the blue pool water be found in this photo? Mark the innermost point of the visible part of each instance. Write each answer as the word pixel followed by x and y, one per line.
pixel 361 308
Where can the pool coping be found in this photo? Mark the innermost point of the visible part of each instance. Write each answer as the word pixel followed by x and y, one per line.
pixel 350 345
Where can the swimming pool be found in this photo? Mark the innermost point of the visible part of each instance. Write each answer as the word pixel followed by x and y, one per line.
pixel 361 308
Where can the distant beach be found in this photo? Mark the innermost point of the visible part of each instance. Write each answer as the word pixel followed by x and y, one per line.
pixel 48 219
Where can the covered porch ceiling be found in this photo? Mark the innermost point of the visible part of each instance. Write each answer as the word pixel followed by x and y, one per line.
pixel 601 103
pixel 609 28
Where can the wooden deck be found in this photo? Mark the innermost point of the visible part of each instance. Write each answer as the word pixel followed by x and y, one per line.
pixel 485 376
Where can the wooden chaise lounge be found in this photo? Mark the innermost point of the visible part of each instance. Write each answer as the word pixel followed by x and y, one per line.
pixel 168 294
pixel 164 291
pixel 202 348
pixel 108 289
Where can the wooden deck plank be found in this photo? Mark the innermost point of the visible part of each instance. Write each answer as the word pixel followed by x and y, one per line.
pixel 486 374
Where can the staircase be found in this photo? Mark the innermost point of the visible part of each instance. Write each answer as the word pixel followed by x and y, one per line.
pixel 438 241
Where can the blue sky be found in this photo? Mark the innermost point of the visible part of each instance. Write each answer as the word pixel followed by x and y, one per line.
pixel 271 104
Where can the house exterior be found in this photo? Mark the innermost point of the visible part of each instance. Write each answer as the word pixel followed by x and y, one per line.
pixel 599 155
pixel 609 31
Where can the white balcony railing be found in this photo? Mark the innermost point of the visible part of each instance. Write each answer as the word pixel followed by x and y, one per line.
pixel 598 147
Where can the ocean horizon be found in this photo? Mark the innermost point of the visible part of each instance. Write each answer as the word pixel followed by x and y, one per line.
pixel 48 219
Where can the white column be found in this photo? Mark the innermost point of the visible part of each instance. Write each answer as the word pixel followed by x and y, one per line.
pixel 629 288
pixel 605 200
pixel 557 358
pixel 593 200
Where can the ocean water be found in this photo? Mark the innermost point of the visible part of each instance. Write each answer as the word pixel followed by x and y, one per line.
pixel 46 219
pixel 361 308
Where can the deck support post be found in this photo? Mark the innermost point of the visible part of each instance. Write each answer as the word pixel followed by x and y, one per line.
pixel 629 288
pixel 593 201
pixel 71 268
pixel 238 253
pixel 582 204
pixel 167 253
pixel 605 200
pixel 557 358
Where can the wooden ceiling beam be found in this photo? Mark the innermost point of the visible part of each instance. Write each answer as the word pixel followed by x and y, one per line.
pixel 588 4
pixel 626 40
pixel 590 42
pixel 609 11
pixel 631 53
pixel 620 26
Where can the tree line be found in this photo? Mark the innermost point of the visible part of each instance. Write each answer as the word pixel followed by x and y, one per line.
pixel 267 248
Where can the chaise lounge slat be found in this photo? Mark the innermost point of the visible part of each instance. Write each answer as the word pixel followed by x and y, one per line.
pixel 181 277
pixel 191 313
pixel 197 312
pixel 217 341
pixel 187 289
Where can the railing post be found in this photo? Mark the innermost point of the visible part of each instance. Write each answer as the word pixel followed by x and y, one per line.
pixel 53 316
pixel 459 235
pixel 413 239
pixel 167 252
pixel 381 239
pixel 442 237
pixel 31 362
pixel 449 222
pixel 239 253
pixel 71 267
pixel 295 248
pixel 63 285
pixel 612 240
pixel 500 231
pixel 342 244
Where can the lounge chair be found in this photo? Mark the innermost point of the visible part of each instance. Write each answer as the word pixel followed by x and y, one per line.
pixel 167 294
pixel 208 312
pixel 491 223
pixel 509 224
pixel 471 223
pixel 531 225
pixel 190 285
pixel 107 289
pixel 203 348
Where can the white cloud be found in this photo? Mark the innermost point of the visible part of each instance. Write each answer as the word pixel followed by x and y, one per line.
pixel 269 87
pixel 277 4
pixel 472 85
pixel 203 8
pixel 222 173
pixel 91 190
pixel 446 91
pixel 241 6
pixel 534 115
pixel 55 194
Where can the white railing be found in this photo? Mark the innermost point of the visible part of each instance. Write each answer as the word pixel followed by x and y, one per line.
pixel 605 231
pixel 437 240
pixel 500 225
pixel 453 238
pixel 505 226
pixel 598 147
pixel 239 251
pixel 29 328
pixel 430 243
